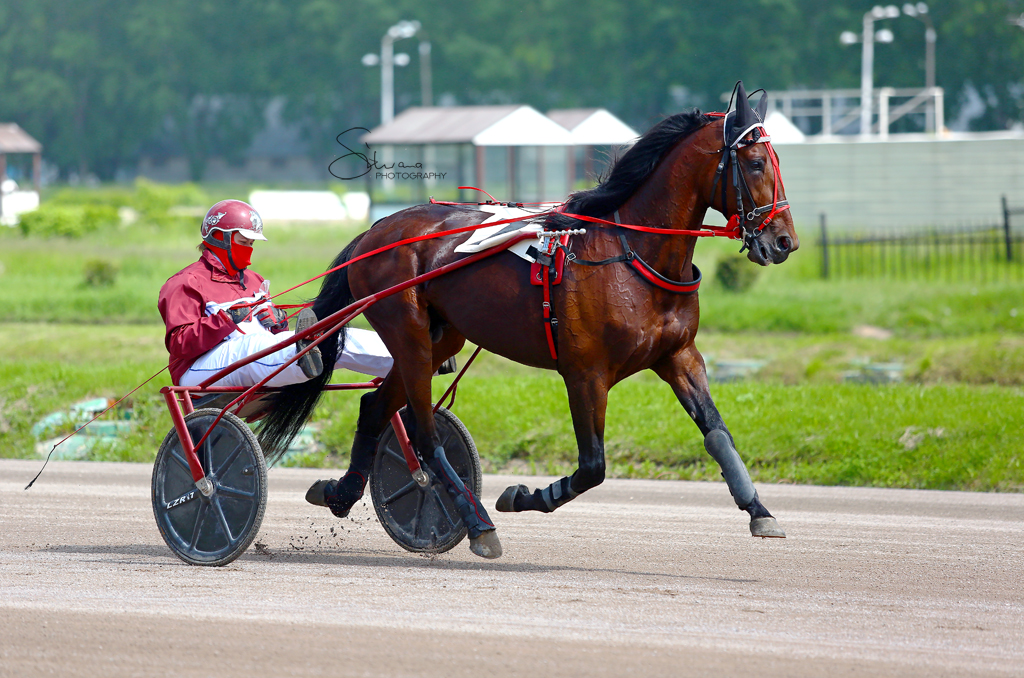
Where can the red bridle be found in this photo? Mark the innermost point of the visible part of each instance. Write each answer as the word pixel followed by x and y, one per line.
pixel 742 221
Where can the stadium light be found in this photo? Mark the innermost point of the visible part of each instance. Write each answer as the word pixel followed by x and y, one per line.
pixel 388 60
pixel 867 60
pixel 920 12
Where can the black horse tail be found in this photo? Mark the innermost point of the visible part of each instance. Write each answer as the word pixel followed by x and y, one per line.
pixel 294 404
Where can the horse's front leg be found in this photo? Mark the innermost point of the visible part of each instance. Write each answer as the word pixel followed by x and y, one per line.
pixel 685 373
pixel 588 401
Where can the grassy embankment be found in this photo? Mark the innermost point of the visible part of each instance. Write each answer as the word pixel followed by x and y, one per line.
pixel 957 423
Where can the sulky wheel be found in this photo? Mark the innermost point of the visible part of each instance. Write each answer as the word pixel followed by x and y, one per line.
pixel 423 519
pixel 217 529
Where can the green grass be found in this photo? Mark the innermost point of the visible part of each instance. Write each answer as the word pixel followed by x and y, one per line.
pixel 939 435
pixel 957 423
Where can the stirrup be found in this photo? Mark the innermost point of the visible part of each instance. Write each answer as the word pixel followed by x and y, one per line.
pixel 312 363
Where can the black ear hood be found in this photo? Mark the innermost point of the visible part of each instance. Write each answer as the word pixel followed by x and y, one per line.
pixel 739 121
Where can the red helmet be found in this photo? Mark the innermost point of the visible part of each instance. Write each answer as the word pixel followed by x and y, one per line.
pixel 228 216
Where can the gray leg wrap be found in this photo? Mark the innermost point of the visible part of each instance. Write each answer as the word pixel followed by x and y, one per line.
pixel 720 447
pixel 557 494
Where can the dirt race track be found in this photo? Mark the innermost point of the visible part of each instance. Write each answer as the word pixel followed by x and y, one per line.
pixel 635 578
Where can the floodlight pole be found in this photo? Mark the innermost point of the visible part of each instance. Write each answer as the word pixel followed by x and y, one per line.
pixel 867 64
pixel 400 31
pixel 426 85
pixel 387 78
pixel 920 12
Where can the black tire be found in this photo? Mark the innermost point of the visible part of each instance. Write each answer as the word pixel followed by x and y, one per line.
pixel 423 519
pixel 217 529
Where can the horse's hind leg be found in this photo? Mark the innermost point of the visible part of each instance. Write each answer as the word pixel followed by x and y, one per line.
pixel 686 374
pixel 375 410
pixel 416 359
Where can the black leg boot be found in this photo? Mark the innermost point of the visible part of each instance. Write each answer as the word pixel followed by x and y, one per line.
pixel 341 495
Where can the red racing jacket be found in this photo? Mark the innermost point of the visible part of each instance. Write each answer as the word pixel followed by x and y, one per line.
pixel 183 299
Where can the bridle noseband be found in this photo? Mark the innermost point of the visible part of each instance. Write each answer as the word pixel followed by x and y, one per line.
pixel 742 220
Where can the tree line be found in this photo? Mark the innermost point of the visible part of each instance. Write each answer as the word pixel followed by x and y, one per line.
pixel 100 82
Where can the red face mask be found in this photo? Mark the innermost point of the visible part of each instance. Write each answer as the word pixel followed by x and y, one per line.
pixel 242 256
pixel 239 258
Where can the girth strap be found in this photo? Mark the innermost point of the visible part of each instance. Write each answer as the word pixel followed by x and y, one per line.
pixel 550 321
pixel 645 270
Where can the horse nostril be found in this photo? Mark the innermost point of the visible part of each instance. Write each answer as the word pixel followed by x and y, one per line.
pixel 784 243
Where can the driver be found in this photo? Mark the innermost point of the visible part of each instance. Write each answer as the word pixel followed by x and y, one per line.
pixel 217 312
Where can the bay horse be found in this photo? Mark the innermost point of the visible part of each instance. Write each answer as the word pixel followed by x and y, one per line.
pixel 612 321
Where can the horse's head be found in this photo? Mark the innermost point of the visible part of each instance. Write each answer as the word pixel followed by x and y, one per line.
pixel 747 187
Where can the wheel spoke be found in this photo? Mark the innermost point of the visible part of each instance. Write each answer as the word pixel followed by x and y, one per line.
pixel 401 492
pixel 181 462
pixel 230 459
pixel 223 519
pixel 416 517
pixel 396 454
pixel 200 521
pixel 444 509
pixel 211 443
pixel 234 493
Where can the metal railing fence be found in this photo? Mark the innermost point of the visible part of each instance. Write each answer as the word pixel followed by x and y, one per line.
pixel 983 252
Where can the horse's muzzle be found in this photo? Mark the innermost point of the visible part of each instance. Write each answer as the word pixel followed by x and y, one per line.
pixel 768 249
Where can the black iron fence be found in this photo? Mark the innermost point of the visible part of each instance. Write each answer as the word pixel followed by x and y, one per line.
pixel 976 252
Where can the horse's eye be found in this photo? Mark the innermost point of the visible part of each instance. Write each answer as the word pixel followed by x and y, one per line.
pixel 757 165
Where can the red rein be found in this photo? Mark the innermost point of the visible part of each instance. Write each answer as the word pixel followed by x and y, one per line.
pixel 732 229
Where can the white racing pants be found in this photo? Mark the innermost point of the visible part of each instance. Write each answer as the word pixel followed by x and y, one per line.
pixel 364 352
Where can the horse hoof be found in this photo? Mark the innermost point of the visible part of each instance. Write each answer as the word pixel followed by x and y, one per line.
pixel 506 502
pixel 317 492
pixel 766 526
pixel 487 545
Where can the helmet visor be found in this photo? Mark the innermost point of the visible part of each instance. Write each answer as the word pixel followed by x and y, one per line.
pixel 251 235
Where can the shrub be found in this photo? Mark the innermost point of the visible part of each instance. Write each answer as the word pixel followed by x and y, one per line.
pixel 68 221
pixel 110 196
pixel 735 272
pixel 100 273
pixel 154 201
pixel 72 212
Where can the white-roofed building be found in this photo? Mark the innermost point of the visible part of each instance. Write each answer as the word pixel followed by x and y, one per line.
pixel 13 140
pixel 592 129
pixel 782 130
pixel 513 152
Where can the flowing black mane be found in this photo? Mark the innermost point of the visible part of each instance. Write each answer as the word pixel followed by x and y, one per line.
pixel 633 168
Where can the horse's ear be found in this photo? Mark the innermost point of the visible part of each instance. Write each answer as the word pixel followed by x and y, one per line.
pixel 762 106
pixel 741 118
pixel 740 94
